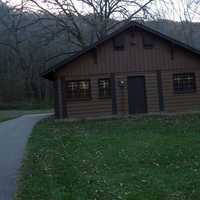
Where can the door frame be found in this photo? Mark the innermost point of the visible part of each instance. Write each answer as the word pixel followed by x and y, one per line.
pixel 145 94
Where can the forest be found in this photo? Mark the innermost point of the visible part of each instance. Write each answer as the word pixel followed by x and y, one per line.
pixel 34 37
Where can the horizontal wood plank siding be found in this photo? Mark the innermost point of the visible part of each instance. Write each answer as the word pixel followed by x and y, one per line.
pixel 122 94
pixel 93 107
pixel 180 102
pixel 152 92
pixel 133 58
pixel 132 61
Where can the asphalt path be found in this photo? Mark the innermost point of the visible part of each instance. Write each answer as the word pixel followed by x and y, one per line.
pixel 14 135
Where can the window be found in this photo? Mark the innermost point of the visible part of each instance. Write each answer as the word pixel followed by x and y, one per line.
pixel 148 41
pixel 78 89
pixel 184 82
pixel 118 43
pixel 104 88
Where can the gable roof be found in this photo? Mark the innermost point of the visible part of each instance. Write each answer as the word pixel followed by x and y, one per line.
pixel 48 74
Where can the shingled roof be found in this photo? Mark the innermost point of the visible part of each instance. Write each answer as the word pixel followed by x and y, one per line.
pixel 48 74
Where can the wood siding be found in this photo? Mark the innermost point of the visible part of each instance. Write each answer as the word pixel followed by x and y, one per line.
pixel 134 58
pixel 180 102
pixel 132 61
pixel 93 107
pixel 56 101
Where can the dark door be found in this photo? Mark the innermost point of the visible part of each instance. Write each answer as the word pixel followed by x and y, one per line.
pixel 136 95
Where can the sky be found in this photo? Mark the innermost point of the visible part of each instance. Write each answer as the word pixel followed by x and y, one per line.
pixel 172 9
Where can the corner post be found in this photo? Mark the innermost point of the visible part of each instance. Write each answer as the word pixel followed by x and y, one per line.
pixel 61 95
pixel 160 91
pixel 114 96
pixel 56 101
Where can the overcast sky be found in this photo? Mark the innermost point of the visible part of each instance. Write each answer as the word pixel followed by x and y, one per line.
pixel 172 12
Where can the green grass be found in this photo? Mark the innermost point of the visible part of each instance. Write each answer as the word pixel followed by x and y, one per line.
pixel 151 158
pixel 11 114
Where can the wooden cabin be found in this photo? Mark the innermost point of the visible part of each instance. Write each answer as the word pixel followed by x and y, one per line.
pixel 133 70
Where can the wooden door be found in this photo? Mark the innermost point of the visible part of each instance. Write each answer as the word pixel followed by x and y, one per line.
pixel 136 95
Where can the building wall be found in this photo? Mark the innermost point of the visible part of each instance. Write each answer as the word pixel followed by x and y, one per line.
pixel 92 107
pixel 97 107
pixel 132 61
pixel 134 58
pixel 180 102
pixel 152 98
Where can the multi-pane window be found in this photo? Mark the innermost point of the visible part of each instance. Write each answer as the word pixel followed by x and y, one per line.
pixel 104 88
pixel 184 82
pixel 78 89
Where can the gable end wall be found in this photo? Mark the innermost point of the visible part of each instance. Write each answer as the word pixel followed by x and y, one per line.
pixel 132 61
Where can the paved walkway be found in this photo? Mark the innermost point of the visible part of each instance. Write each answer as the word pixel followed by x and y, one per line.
pixel 13 137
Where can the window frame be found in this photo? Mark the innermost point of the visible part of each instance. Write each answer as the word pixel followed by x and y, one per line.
pixel 185 90
pixel 108 96
pixel 78 98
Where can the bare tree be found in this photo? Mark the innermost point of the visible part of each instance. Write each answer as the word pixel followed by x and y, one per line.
pixel 191 13
pixel 95 17
pixel 36 34
pixel 23 55
pixel 185 13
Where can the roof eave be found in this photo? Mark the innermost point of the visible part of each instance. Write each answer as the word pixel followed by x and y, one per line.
pixel 49 74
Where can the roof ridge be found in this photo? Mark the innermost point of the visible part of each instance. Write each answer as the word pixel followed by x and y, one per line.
pixel 49 72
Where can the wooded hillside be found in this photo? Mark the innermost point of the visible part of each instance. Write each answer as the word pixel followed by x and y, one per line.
pixel 31 43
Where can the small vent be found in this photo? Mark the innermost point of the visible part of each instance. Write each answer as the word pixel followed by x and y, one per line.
pixel 118 43
pixel 148 42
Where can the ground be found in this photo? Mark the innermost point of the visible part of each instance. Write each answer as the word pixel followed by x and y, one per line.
pixel 10 114
pixel 146 158
pixel 13 137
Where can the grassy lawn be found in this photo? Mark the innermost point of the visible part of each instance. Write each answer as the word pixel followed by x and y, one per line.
pixel 151 158
pixel 11 114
